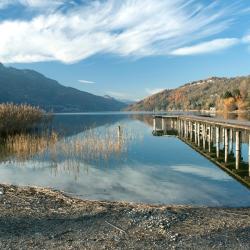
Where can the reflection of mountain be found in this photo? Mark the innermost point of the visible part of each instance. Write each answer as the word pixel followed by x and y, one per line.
pixel 69 125
pixel 147 119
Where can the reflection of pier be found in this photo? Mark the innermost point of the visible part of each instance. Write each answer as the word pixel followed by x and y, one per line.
pixel 217 139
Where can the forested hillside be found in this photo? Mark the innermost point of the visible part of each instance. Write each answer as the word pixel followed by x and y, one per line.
pixel 226 94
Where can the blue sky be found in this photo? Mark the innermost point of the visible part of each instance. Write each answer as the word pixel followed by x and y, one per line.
pixel 126 48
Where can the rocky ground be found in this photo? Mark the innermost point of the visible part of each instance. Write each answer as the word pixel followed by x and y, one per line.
pixel 37 218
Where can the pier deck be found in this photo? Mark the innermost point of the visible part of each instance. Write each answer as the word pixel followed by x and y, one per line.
pixel 218 139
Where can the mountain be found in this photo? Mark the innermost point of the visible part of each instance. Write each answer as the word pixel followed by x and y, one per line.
pixel 31 87
pixel 227 94
pixel 126 101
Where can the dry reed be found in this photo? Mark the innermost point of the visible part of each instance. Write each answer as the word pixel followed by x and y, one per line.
pixel 91 145
pixel 19 118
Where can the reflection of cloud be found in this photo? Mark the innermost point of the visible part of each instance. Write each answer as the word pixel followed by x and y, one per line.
pixel 140 183
pixel 207 172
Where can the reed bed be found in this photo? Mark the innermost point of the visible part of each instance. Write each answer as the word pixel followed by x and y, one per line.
pixel 94 144
pixel 68 153
pixel 22 147
pixel 19 118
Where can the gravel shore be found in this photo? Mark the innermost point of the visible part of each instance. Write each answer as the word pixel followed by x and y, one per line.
pixel 39 218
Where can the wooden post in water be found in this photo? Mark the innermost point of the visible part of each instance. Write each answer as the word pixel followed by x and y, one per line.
pixel 237 149
pixel 226 145
pixel 119 132
pixel 217 142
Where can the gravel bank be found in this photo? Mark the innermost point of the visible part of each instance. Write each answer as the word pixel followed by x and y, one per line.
pixel 38 218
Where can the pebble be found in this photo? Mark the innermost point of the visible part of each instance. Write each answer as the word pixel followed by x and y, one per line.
pixel 1 191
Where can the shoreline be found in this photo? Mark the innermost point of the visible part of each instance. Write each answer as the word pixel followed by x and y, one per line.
pixel 35 218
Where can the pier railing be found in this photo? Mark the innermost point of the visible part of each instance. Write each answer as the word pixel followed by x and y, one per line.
pixel 218 140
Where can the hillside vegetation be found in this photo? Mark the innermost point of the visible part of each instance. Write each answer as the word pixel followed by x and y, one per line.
pixel 30 87
pixel 224 94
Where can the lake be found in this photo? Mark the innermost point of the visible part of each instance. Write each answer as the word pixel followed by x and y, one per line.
pixel 88 158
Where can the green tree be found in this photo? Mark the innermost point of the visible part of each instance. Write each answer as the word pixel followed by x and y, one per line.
pixel 227 94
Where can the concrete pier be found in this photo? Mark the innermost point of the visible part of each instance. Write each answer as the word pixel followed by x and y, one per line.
pixel 226 144
pixel 163 124
pixel 217 143
pixel 231 140
pixel 204 136
pixel 237 149
pixel 209 135
pixel 198 134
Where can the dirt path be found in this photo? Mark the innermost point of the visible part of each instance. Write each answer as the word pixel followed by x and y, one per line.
pixel 36 218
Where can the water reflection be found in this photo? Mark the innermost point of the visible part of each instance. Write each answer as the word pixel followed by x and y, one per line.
pixel 91 146
pixel 102 163
pixel 140 183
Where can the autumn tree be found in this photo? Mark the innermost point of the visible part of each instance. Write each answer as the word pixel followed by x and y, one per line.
pixel 229 104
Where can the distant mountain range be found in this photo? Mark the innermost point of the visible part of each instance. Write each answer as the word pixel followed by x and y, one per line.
pixel 31 87
pixel 227 94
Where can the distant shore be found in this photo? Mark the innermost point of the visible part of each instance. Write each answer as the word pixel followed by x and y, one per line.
pixel 40 218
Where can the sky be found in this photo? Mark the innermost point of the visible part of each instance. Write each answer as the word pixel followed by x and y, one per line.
pixel 127 49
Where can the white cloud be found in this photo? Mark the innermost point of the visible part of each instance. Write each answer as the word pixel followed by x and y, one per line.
pixel 153 91
pixel 5 3
pixel 246 39
pixel 32 3
pixel 117 27
pixel 207 47
pixel 85 81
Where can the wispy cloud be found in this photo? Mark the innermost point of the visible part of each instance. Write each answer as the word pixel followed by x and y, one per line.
pixel 32 3
pixel 246 39
pixel 207 47
pixel 153 91
pixel 85 81
pixel 117 27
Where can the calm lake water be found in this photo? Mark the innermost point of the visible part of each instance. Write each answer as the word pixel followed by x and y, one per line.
pixel 134 166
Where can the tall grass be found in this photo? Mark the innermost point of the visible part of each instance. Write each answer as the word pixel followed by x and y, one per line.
pixel 22 147
pixel 19 118
pixel 91 146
